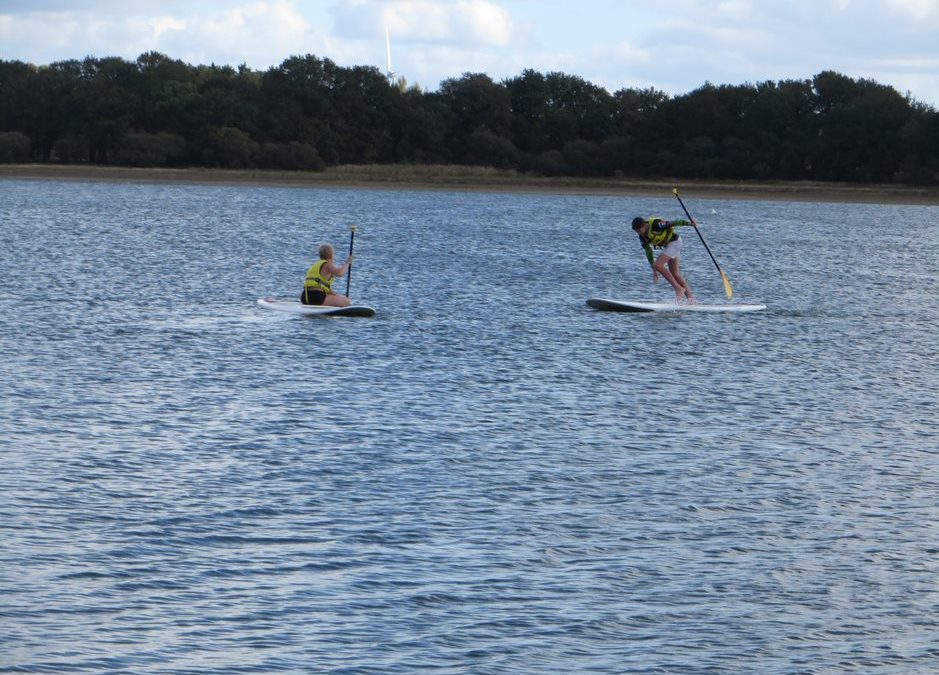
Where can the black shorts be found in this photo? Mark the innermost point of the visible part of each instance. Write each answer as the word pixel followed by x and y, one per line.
pixel 312 296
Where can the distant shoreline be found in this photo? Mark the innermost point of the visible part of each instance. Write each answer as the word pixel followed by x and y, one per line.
pixel 481 179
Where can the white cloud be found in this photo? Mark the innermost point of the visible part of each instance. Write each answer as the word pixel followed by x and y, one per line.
pixel 260 33
pixel 479 23
pixel 630 53
pixel 734 9
pixel 918 9
pixel 486 21
pixel 164 24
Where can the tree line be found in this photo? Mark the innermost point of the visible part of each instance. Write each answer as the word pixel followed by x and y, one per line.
pixel 309 113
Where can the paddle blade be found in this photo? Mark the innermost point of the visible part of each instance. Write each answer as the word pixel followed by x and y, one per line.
pixel 728 289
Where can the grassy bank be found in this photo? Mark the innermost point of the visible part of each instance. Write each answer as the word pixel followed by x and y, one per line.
pixel 482 179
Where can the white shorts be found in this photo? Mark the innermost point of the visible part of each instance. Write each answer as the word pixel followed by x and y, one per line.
pixel 673 249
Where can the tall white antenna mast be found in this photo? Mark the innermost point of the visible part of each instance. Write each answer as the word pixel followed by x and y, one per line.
pixel 390 74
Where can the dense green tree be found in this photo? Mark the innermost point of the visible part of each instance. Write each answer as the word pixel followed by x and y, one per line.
pixel 487 149
pixel 475 103
pixel 778 124
pixel 367 122
pixel 45 109
pixel 424 129
pixel 17 80
pixel 529 100
pixel 308 113
pixel 143 149
pixel 167 90
pixel 578 109
pixel 859 129
pixel 294 156
pixel 632 146
pixel 231 148
pixel 105 104
pixel 298 104
pixel 14 147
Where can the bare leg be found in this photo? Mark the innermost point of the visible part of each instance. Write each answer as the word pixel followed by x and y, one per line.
pixel 674 266
pixel 662 265
pixel 337 300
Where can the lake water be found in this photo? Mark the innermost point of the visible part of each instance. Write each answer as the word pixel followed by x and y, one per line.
pixel 488 476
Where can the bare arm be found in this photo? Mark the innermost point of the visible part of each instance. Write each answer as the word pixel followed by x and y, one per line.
pixel 335 270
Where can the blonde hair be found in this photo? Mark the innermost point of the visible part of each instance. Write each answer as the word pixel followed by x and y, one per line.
pixel 326 252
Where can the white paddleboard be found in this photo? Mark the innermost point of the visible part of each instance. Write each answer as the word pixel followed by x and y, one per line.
pixel 295 307
pixel 607 305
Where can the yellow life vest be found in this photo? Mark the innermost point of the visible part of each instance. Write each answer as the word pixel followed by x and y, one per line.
pixel 661 232
pixel 316 280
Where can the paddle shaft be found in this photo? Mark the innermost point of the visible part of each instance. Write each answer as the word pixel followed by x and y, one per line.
pixel 696 229
pixel 349 271
pixel 728 289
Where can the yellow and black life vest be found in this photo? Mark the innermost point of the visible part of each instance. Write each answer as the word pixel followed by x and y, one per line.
pixel 661 232
pixel 315 279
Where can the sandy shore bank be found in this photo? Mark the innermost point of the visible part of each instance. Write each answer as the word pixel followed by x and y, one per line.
pixel 482 179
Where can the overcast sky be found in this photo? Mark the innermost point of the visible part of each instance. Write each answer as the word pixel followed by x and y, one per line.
pixel 672 45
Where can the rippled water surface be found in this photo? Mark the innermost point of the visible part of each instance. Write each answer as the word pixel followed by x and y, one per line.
pixel 488 476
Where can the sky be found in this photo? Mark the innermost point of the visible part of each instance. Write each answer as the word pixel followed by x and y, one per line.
pixel 674 46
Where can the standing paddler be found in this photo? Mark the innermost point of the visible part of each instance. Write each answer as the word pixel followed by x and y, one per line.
pixel 655 232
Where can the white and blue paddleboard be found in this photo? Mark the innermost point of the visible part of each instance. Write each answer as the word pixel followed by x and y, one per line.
pixel 607 305
pixel 295 307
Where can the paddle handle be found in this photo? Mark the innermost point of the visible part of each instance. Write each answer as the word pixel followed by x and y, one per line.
pixel 349 271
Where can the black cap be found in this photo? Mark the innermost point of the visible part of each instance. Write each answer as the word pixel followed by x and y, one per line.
pixel 637 222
